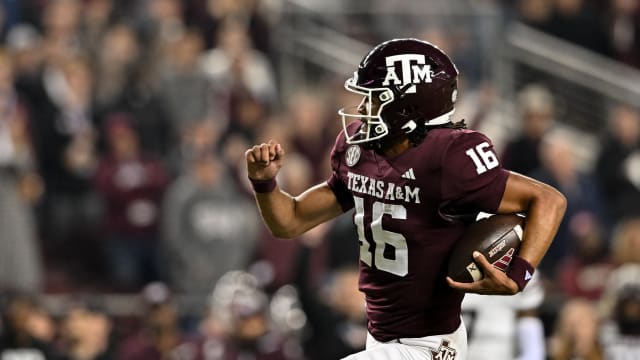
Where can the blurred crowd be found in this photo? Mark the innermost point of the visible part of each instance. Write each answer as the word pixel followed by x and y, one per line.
pixel 123 126
pixel 607 27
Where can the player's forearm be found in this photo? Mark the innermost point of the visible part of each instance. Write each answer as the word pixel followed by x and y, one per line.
pixel 277 209
pixel 544 207
pixel 544 215
pixel 288 216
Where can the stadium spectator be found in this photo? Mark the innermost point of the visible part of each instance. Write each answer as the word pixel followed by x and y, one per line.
pixel 65 142
pixel 116 67
pixel 21 267
pixel 232 147
pixel 98 16
pixel 24 44
pixel 61 22
pixel 485 111
pixel 618 163
pixel 626 242
pixel 249 12
pixel 558 167
pixel 576 333
pixel 185 89
pixel 585 271
pixel 535 13
pixel 244 76
pixel 309 123
pixel 131 183
pixel 619 310
pixel 128 81
pixel 240 324
pixel 85 334
pixel 334 308
pixel 160 335
pixel 159 23
pixel 578 22
pixel 209 227
pixel 536 112
pixel 27 330
pixel 623 21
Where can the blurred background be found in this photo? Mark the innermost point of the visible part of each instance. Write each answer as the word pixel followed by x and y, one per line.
pixel 128 230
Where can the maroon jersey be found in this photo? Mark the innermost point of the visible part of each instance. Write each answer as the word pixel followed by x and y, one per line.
pixel 402 205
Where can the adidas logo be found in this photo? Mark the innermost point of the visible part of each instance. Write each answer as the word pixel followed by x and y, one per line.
pixel 527 276
pixel 409 174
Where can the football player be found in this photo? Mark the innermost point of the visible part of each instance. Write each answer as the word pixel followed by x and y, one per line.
pixel 412 175
pixel 505 327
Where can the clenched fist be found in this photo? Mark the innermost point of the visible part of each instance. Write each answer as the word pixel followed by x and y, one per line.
pixel 264 160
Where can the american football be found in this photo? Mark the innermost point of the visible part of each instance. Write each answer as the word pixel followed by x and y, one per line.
pixel 496 237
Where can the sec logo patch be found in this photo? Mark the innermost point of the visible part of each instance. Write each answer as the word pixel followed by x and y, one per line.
pixel 353 155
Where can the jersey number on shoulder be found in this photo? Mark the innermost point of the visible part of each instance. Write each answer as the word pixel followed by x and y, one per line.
pixel 399 265
pixel 482 158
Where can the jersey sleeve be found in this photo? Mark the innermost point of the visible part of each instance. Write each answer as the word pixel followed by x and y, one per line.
pixel 472 178
pixel 335 183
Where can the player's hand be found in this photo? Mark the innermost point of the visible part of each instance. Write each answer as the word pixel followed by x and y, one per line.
pixel 495 282
pixel 264 160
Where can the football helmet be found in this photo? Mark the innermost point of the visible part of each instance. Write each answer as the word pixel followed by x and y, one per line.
pixel 405 83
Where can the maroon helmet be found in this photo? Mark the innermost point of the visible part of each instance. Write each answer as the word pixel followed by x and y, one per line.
pixel 414 83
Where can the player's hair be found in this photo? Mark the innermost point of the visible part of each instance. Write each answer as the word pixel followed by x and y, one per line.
pixel 417 135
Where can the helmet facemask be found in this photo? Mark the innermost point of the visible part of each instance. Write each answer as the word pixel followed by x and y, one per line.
pixel 373 127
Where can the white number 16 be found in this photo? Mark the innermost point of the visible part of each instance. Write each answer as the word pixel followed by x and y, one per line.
pixel 483 159
pixel 399 265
